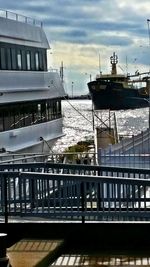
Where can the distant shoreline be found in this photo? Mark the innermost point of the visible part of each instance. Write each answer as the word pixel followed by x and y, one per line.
pixel 87 96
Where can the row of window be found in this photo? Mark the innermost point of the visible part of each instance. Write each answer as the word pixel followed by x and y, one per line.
pixel 19 115
pixel 17 57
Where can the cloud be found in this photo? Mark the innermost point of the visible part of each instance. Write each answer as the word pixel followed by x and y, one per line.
pixel 69 17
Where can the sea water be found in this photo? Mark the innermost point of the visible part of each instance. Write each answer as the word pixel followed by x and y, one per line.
pixel 79 122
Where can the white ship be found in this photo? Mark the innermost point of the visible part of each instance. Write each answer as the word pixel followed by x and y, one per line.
pixel 30 95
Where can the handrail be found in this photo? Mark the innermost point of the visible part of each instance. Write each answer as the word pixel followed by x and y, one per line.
pixel 84 169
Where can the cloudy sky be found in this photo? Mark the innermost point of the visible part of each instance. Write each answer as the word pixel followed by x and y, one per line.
pixel 84 34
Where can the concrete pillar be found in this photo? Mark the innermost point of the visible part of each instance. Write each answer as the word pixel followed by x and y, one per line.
pixel 4 261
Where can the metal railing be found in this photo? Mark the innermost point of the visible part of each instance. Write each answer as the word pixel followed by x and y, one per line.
pixel 78 169
pixel 47 157
pixel 139 143
pixel 55 192
pixel 14 16
pixel 115 158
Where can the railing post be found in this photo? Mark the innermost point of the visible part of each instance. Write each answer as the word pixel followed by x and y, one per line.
pixel 82 201
pixel 100 156
pixel 32 192
pixel 5 199
pixel 99 202
pixel 4 261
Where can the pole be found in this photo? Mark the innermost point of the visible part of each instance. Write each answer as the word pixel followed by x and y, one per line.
pixel 149 103
pixel 100 70
pixel 148 83
pixel 148 20
pixel 72 89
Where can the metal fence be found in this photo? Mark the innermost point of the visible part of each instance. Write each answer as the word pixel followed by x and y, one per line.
pixel 67 193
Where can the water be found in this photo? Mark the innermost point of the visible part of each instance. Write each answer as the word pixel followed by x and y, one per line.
pixel 78 122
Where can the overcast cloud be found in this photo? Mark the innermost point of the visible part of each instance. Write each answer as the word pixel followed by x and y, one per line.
pixel 81 32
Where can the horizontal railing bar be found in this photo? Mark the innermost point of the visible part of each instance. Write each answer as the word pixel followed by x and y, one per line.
pixel 84 178
pixel 74 177
pixel 75 166
pixel 86 213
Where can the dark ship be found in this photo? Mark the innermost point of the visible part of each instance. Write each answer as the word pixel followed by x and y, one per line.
pixel 116 91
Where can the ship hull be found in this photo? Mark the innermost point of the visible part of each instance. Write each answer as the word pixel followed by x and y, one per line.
pixel 114 96
pixel 32 139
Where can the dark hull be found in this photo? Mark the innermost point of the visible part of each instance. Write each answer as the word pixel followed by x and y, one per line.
pixel 114 97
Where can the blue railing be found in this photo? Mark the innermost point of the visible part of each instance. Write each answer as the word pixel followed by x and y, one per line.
pixel 66 192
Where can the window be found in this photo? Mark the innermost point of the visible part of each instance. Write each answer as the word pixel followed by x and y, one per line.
pixel 41 67
pixel 28 60
pixel 13 56
pixel 9 59
pixel 19 60
pixel 24 61
pixel 1 122
pixel 32 59
pixel 37 61
pixel 58 103
pixel 44 60
pixel 22 57
pixel 3 59
pixel 19 115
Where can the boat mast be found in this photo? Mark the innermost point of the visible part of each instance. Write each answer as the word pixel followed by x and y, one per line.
pixel 114 61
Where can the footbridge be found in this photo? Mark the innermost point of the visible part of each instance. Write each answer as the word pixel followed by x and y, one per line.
pixel 59 192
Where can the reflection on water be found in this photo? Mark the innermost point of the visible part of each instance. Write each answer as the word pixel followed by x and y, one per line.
pixel 113 260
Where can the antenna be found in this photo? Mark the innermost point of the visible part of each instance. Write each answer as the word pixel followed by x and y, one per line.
pixel 100 70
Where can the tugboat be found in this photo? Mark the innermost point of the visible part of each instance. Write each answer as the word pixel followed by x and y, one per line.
pixel 116 91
